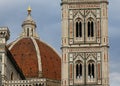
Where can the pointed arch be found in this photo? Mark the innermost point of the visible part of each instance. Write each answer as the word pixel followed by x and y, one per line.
pixel 78 27
pixel 79 69
pixel 91 69
pixel 90 27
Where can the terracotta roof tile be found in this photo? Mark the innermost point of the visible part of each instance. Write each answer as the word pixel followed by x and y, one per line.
pixel 51 62
pixel 24 53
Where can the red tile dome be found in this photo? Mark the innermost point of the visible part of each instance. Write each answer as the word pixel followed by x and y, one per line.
pixel 36 58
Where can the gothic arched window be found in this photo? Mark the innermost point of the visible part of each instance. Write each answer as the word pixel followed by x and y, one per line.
pixel 90 26
pixel 78 28
pixel 78 70
pixel 91 69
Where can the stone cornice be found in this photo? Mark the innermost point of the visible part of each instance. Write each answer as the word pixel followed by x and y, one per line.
pixel 84 2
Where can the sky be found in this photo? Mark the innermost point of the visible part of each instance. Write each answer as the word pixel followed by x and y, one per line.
pixel 47 14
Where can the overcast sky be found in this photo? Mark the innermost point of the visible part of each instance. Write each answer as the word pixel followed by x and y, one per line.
pixel 47 14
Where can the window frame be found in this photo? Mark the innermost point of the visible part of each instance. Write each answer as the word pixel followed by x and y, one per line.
pixel 78 69
pixel 91 69
pixel 90 27
pixel 78 28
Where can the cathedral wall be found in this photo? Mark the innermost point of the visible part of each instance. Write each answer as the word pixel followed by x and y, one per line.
pixel 53 83
pixel 10 72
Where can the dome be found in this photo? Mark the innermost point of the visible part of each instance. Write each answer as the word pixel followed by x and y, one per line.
pixel 36 58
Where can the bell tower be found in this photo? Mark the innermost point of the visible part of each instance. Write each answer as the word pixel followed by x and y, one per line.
pixel 85 60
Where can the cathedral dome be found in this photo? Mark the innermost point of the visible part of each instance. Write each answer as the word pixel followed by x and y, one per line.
pixel 36 58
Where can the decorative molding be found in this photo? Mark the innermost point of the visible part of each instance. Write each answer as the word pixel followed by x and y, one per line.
pixel 83 6
pixel 38 56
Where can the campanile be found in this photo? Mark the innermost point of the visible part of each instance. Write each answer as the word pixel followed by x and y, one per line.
pixel 85 59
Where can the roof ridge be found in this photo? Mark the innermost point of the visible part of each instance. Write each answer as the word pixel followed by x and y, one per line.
pixel 50 47
pixel 38 56
pixel 13 43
